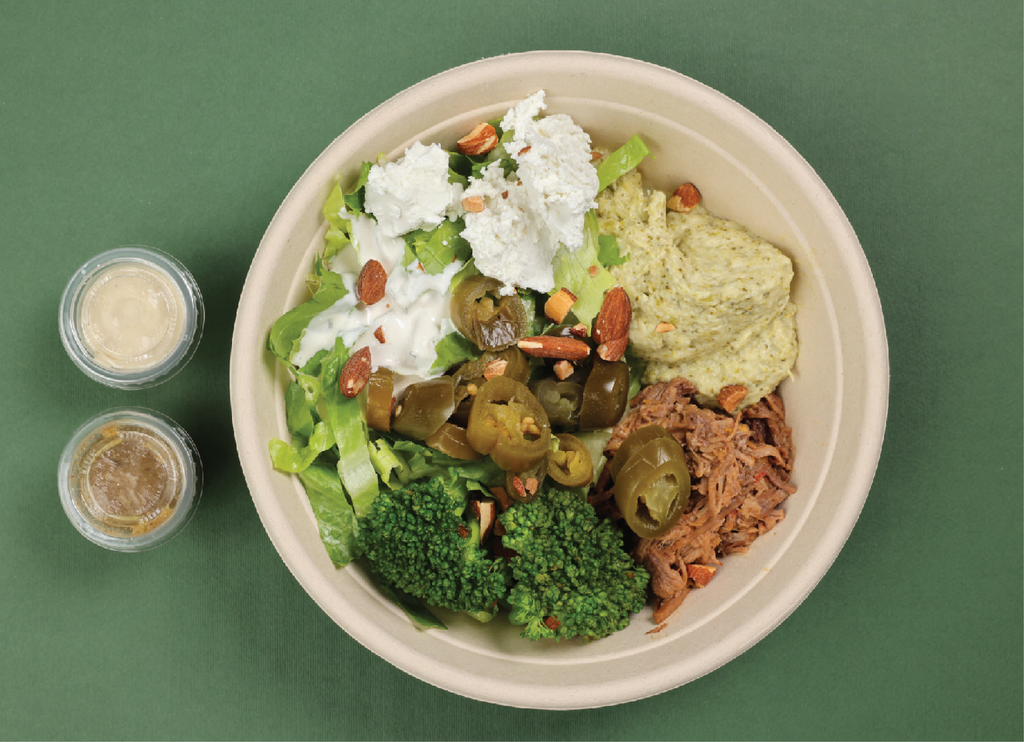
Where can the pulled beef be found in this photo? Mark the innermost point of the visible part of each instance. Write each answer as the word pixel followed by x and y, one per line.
pixel 740 468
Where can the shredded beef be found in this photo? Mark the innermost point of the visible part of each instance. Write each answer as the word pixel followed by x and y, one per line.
pixel 740 468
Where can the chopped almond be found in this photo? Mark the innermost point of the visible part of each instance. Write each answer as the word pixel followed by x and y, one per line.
pixel 557 307
pixel 701 574
pixel 473 204
pixel 563 370
pixel 481 140
pixel 730 396
pixel 664 327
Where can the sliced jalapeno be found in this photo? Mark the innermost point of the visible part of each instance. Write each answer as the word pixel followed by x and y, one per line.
pixel 485 316
pixel 560 399
pixel 571 464
pixel 507 423
pixel 425 406
pixel 451 439
pixel 380 398
pixel 652 488
pixel 634 441
pixel 605 394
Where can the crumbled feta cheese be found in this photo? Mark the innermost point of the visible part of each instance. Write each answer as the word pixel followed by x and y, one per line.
pixel 539 206
pixel 412 192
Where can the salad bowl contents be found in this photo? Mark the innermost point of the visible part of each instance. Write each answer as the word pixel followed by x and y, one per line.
pixel 426 412
pixel 522 374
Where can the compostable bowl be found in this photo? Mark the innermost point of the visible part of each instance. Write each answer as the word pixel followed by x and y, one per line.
pixel 836 400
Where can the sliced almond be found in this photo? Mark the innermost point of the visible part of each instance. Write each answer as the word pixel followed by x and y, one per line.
pixel 558 305
pixel 613 320
pixel 495 368
pixel 355 373
pixel 579 330
pixel 730 396
pixel 613 350
pixel 372 282
pixel 664 327
pixel 701 574
pixel 685 198
pixel 481 140
pixel 473 204
pixel 550 346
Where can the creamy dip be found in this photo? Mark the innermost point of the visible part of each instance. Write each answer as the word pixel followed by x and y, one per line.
pixel 710 299
pixel 131 316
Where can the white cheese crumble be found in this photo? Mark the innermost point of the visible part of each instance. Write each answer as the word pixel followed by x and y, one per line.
pixel 541 205
pixel 412 192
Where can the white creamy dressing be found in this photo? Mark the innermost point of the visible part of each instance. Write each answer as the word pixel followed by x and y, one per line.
pixel 413 316
pixel 131 316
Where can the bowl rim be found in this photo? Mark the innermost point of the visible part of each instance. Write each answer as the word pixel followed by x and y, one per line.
pixel 557 696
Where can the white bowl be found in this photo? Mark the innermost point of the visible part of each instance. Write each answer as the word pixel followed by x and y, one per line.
pixel 836 401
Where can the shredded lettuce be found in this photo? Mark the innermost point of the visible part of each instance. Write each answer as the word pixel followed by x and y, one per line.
pixel 573 271
pixel 621 161
pixel 335 517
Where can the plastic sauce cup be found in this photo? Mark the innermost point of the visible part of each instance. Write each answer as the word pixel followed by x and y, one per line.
pixel 131 317
pixel 129 479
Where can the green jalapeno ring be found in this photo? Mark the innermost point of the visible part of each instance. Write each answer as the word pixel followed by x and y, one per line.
pixel 633 443
pixel 380 398
pixel 605 395
pixel 560 399
pixel 451 439
pixel 485 316
pixel 507 423
pixel 425 406
pixel 571 464
pixel 653 487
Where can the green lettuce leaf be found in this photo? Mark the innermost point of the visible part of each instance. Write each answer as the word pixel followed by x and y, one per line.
pixel 572 270
pixel 621 161
pixel 336 520
pixel 437 248
pixel 608 252
pixel 345 418
pixel 286 332
pixel 453 349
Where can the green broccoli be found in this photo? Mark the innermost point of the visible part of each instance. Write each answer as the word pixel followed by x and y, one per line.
pixel 417 539
pixel 572 575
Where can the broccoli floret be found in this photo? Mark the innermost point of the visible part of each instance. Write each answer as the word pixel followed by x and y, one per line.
pixel 572 575
pixel 417 539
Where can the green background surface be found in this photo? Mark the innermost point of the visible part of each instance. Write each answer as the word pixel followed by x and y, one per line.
pixel 182 125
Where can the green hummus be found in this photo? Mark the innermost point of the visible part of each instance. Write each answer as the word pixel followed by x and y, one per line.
pixel 724 291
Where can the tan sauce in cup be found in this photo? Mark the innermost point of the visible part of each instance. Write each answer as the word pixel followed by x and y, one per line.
pixel 131 316
pixel 130 479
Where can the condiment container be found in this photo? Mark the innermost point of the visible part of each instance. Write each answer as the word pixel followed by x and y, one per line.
pixel 131 317
pixel 130 479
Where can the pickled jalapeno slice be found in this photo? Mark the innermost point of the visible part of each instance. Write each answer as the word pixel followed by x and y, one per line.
pixel 571 464
pixel 487 317
pixel 605 395
pixel 380 399
pixel 507 423
pixel 451 439
pixel 652 488
pixel 633 443
pixel 560 399
pixel 425 406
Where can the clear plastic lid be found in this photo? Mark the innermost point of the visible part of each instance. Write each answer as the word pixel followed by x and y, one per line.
pixel 129 479
pixel 131 317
